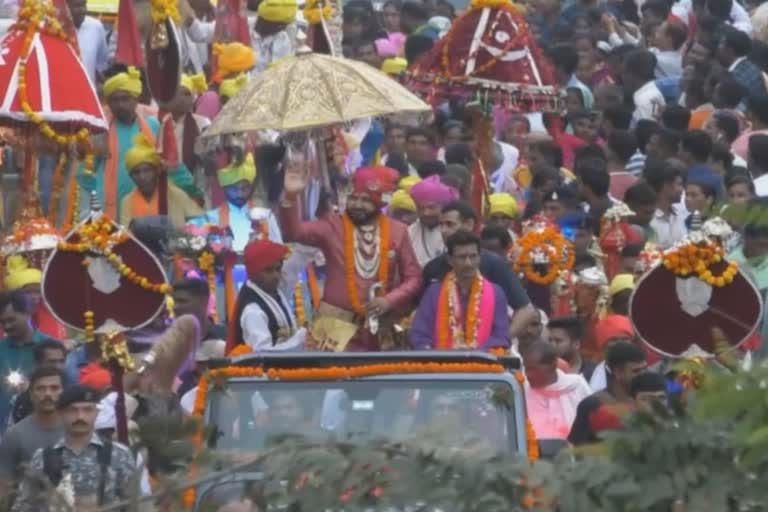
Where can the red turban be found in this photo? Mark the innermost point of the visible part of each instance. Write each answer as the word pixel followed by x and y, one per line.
pixel 262 254
pixel 95 376
pixel 613 326
pixel 375 181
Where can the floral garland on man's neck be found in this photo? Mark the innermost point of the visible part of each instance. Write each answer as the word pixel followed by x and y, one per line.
pixel 350 272
pixel 449 325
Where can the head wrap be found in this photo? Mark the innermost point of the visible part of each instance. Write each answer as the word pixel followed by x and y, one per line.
pixel 232 86
pixel 232 174
pixel 612 327
pixel 128 81
pixel 622 282
pixel 262 254
pixel 391 46
pixel 394 65
pixel 432 190
pixel 374 182
pixel 408 182
pixel 502 203
pixel 278 11
pixel 19 274
pixel 142 152
pixel 196 84
pixel 95 376
pixel 232 58
pixel 77 394
pixel 401 200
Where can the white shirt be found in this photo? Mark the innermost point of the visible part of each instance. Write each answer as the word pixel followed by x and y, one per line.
pixel 599 380
pixel 427 243
pixel 92 40
pixel 648 102
pixel 255 324
pixel 669 63
pixel 669 229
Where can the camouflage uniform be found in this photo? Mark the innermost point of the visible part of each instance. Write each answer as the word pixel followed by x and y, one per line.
pixel 85 472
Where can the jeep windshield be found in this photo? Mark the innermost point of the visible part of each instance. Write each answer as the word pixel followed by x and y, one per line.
pixel 247 413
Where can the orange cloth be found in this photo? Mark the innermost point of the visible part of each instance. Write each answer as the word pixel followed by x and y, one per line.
pixel 612 326
pixel 140 207
pixel 698 119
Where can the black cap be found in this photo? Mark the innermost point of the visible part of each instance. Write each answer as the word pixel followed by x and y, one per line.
pixel 77 394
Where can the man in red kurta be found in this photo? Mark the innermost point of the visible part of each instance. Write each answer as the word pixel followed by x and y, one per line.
pixel 371 269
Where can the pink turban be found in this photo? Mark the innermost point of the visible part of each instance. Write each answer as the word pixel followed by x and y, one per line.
pixel 432 190
pixel 392 46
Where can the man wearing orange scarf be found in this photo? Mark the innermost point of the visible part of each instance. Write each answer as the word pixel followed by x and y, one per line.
pixel 465 310
pixel 111 180
pixel 371 269
pixel 143 163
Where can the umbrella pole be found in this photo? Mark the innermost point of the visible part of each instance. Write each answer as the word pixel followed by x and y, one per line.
pixel 322 154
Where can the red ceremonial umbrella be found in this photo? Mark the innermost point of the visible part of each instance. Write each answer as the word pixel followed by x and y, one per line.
pixel 58 88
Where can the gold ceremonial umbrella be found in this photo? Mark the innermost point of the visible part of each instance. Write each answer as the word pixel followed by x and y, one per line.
pixel 311 90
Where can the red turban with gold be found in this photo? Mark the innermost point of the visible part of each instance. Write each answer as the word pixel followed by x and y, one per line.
pixel 373 182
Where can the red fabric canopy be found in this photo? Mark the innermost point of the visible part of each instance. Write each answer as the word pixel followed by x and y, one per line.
pixel 58 86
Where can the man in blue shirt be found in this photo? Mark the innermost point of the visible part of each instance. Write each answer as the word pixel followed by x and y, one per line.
pixel 17 347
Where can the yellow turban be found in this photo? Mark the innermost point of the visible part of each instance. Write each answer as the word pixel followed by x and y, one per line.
pixel 278 11
pixel 19 274
pixel 233 174
pixel 232 58
pixel 394 65
pixel 408 182
pixel 231 86
pixel 622 282
pixel 504 204
pixel 129 81
pixel 196 84
pixel 142 152
pixel 402 200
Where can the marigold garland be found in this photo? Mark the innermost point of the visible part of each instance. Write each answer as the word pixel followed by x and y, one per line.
pixel 162 10
pixel 298 299
pixel 88 323
pixel 449 324
pixel 101 236
pixel 36 17
pixel 555 249
pixel 207 263
pixel 59 175
pixel 530 433
pixel 349 260
pixel 697 259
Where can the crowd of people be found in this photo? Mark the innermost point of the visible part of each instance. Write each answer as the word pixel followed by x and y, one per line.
pixel 664 112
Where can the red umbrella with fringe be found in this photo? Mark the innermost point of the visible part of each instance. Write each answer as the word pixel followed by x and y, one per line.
pixel 45 92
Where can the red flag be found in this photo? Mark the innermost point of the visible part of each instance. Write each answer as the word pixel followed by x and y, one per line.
pixel 129 49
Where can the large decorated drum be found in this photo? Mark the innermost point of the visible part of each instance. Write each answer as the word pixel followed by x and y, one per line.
pixel 694 290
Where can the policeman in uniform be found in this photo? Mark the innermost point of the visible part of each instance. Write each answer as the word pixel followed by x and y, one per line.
pixel 95 471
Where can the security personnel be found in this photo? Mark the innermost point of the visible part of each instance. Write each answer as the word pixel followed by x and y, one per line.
pixel 95 470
